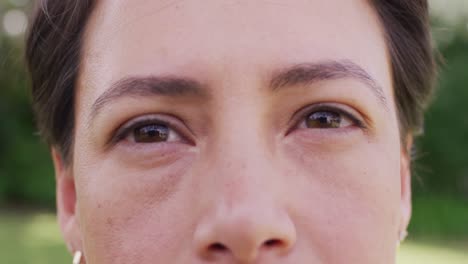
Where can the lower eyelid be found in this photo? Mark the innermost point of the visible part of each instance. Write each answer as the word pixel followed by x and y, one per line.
pixel 319 135
pixel 151 154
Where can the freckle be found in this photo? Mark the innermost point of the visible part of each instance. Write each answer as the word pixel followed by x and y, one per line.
pixel 110 222
pixel 99 205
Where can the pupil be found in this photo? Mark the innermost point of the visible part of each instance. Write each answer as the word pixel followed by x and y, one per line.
pixel 151 133
pixel 324 120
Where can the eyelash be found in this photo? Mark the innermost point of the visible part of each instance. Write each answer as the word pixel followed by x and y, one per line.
pixel 298 117
pixel 301 115
pixel 125 130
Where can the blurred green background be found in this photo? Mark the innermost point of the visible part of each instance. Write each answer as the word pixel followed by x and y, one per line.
pixel 439 227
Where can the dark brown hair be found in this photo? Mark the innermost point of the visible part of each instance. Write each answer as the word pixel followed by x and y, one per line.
pixel 56 35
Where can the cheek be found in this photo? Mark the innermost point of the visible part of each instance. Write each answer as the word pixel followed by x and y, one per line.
pixel 131 215
pixel 347 200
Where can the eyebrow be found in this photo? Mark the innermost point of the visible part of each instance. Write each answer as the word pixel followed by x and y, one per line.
pixel 308 73
pixel 174 86
pixel 167 86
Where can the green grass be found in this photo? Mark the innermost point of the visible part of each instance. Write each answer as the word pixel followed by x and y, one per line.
pixel 413 252
pixel 35 238
pixel 31 238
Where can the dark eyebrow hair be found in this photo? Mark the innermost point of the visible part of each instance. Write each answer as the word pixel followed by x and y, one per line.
pixel 307 73
pixel 169 86
pixel 174 86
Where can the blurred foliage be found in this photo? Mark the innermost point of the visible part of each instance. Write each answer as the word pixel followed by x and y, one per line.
pixel 441 169
pixel 27 237
pixel 436 217
pixel 25 168
pixel 442 163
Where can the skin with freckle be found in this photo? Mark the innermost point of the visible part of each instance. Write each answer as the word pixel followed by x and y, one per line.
pixel 228 169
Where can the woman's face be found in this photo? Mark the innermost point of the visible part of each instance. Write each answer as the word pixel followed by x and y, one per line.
pixel 234 132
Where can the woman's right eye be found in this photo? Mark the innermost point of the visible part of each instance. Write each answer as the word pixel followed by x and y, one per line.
pixel 327 119
pixel 153 133
pixel 148 131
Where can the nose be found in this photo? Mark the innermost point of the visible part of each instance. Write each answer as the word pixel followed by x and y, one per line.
pixel 245 216
pixel 239 233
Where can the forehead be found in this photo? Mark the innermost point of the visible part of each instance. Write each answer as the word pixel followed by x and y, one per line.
pixel 226 39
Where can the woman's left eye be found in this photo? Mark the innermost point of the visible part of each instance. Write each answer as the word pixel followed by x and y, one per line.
pixel 328 118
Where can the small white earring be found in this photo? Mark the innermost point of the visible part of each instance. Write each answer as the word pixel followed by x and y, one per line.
pixel 77 257
pixel 401 237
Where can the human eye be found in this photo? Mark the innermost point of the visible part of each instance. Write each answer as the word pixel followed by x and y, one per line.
pixel 328 116
pixel 150 130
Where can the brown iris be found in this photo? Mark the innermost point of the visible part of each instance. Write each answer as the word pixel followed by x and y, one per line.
pixel 323 119
pixel 151 133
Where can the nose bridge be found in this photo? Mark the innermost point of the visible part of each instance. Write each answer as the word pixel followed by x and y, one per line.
pixel 246 186
pixel 240 149
pixel 243 173
pixel 240 120
pixel 244 214
pixel 242 140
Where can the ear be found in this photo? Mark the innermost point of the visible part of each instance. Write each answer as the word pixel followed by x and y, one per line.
pixel 405 179
pixel 66 202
